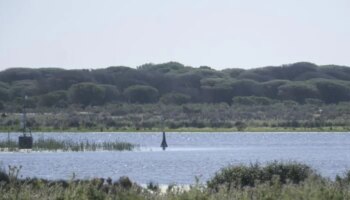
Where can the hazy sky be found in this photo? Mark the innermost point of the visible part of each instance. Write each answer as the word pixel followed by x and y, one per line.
pixel 216 33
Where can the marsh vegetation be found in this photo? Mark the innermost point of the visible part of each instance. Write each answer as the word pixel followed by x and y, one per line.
pixel 274 180
pixel 49 144
pixel 279 116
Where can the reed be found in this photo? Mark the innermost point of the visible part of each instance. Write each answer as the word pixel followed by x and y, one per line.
pixel 8 145
pixel 50 144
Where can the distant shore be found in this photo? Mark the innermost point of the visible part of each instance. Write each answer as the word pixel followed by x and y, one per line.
pixel 189 129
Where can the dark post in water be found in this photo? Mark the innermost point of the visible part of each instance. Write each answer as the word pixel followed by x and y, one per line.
pixel 24 141
pixel 164 145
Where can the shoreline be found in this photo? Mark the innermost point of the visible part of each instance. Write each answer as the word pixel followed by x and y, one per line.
pixel 190 130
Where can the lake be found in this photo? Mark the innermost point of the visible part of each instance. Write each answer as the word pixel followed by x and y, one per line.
pixel 188 155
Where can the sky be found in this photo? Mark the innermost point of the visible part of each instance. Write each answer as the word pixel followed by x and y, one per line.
pixel 217 33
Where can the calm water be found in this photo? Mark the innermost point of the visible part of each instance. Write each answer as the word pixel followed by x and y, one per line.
pixel 188 155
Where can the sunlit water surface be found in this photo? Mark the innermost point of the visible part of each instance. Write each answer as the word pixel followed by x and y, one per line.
pixel 188 155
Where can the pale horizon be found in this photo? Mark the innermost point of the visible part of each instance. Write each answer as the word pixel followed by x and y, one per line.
pixel 86 34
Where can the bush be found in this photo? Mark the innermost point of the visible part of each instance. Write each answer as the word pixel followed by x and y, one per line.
pixel 124 182
pixel 293 172
pixel 240 126
pixel 235 177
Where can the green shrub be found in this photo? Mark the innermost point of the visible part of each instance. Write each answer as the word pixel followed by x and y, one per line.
pixel 235 177
pixel 292 171
pixel 241 126
pixel 264 183
pixel 124 182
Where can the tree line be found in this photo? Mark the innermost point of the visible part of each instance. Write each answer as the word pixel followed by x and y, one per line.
pixel 175 83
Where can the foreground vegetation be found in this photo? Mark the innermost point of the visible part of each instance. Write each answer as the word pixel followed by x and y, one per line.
pixel 275 180
pixel 60 145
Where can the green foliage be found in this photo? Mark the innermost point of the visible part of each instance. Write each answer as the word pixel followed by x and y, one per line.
pixel 271 88
pixel 333 91
pixel 19 74
pixel 245 182
pixel 112 93
pixel 4 94
pixel 297 81
pixel 295 70
pixel 240 126
pixel 297 92
pixel 338 72
pixel 87 94
pixel 4 91
pixel 141 94
pixel 233 72
pixel 170 67
pixel 23 87
pixel 345 180
pixel 235 177
pixel 175 98
pixel 252 75
pixel 124 182
pixel 312 75
pixel 54 99
pixel 217 90
pixel 4 85
pixel 122 77
pixel 246 88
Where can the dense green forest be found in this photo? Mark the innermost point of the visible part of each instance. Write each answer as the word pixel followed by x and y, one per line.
pixel 174 83
pixel 296 96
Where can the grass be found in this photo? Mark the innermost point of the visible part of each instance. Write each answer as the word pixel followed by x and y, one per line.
pixel 55 145
pixel 274 181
